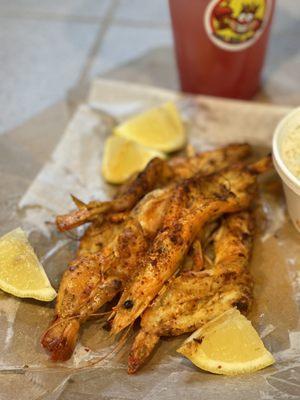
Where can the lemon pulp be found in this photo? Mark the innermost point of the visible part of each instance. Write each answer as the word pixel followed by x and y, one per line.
pixel 227 345
pixel 123 157
pixel 21 273
pixel 160 128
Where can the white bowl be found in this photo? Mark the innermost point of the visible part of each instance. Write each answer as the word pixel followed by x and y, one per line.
pixel 291 184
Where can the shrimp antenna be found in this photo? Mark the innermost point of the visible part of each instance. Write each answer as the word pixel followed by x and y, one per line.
pixel 90 364
pixel 77 202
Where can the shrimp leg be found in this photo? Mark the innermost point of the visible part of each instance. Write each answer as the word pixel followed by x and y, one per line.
pixel 156 174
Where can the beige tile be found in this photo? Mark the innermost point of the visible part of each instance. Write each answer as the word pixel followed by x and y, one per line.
pixel 281 83
pixel 81 8
pixel 121 45
pixel 156 67
pixel 40 61
pixel 155 11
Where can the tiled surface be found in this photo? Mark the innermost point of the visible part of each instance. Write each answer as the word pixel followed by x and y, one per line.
pixel 40 61
pixel 156 67
pixel 49 46
pixel 282 70
pixel 153 11
pixel 42 8
pixel 123 44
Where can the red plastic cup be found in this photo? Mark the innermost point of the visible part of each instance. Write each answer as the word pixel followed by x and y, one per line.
pixel 221 44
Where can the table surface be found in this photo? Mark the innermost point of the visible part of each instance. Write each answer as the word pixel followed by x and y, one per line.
pixel 51 48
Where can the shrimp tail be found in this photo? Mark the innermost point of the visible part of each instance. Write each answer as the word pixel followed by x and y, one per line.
pixel 60 339
pixel 142 347
pixel 78 203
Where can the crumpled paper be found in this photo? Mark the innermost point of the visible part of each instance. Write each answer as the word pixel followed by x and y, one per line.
pixel 26 372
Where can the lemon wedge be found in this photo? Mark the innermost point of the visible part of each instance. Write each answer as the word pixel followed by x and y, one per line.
pixel 21 273
pixel 160 128
pixel 123 157
pixel 227 345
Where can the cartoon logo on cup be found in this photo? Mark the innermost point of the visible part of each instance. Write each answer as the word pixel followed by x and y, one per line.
pixel 236 24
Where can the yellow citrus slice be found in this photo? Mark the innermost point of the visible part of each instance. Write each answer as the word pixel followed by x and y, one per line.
pixel 160 128
pixel 21 273
pixel 124 157
pixel 227 345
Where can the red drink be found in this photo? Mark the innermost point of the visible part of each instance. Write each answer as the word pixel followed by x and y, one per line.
pixel 221 44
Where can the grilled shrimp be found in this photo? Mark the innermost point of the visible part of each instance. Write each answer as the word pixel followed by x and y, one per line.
pixel 196 201
pixel 196 297
pixel 94 279
pixel 97 236
pixel 157 174
pixel 108 255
